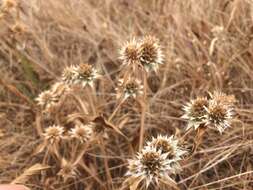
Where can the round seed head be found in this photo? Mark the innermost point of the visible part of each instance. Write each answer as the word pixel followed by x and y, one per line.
pixel 86 74
pixel 130 52
pixel 53 133
pixel 195 112
pixel 47 100
pixel 150 165
pixel 131 88
pixel 70 75
pixel 81 132
pixel 150 53
pixel 51 98
pixel 222 98
pixel 168 145
pixel 219 115
pixel 67 170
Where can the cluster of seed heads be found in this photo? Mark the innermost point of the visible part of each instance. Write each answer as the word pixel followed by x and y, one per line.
pixel 215 112
pixel 145 52
pixel 80 132
pixel 160 158
pixel 81 75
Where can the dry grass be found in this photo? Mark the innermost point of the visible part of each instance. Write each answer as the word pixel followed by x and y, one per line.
pixel 207 46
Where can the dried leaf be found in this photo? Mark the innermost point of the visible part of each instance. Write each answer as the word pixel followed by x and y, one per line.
pixel 33 170
pixel 103 122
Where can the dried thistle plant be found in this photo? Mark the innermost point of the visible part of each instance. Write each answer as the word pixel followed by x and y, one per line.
pixel 217 111
pixel 150 166
pixel 51 98
pixel 195 112
pixel 169 145
pixel 86 74
pixel 81 132
pixel 129 53
pixel 151 55
pixel 130 88
pixel 219 115
pixel 70 75
pixel 67 170
pixel 53 134
pixel 222 98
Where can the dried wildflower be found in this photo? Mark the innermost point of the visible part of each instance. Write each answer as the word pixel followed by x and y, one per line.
pixel 167 145
pixel 170 146
pixel 219 115
pixel 86 74
pixel 151 55
pixel 68 170
pixel 222 98
pixel 130 52
pixel 195 112
pixel 150 166
pixel 70 75
pixel 81 132
pixel 47 100
pixel 131 88
pixel 51 98
pixel 53 133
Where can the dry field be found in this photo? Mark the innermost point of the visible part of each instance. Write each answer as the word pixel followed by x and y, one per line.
pixel 87 84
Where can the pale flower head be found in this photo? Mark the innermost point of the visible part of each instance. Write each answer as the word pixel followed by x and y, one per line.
pixel 151 55
pixel 195 112
pixel 70 75
pixel 46 100
pixel 150 166
pixel 51 98
pixel 219 115
pixel 222 98
pixel 81 132
pixel 86 74
pixel 130 88
pixel 129 53
pixel 54 134
pixel 68 170
pixel 168 145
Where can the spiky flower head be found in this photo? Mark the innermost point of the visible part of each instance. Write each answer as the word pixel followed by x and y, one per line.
pixel 68 170
pixel 46 100
pixel 130 88
pixel 51 98
pixel 195 112
pixel 219 115
pixel 86 74
pixel 54 134
pixel 151 55
pixel 129 53
pixel 222 98
pixel 167 145
pixel 81 132
pixel 150 166
pixel 70 75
